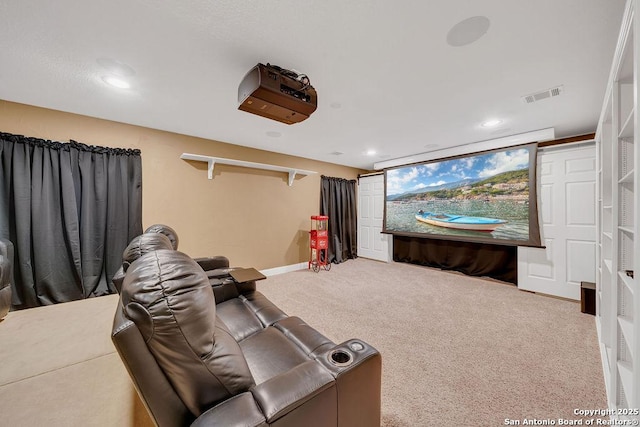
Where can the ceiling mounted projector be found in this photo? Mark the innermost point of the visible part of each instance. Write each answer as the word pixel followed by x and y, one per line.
pixel 277 94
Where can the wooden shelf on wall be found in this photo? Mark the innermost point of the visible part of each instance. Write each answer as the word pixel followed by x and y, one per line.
pixel 211 161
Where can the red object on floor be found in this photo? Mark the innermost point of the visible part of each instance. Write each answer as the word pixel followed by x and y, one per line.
pixel 319 243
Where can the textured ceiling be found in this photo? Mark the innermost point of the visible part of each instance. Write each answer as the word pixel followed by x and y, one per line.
pixel 387 80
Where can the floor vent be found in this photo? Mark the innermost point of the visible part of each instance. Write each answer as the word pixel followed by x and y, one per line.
pixel 539 96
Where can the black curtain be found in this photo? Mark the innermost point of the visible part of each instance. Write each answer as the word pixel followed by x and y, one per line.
pixel 338 202
pixel 70 210
pixel 473 259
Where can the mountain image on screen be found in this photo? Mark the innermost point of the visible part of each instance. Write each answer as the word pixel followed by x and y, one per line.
pixel 513 184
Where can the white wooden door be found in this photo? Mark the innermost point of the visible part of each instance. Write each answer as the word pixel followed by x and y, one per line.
pixel 371 242
pixel 567 204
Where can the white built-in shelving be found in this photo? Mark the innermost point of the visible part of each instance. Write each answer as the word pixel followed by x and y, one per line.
pixel 618 249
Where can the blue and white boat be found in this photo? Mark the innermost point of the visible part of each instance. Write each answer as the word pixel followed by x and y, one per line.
pixel 460 222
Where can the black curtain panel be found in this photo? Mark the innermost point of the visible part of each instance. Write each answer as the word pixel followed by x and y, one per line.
pixel 471 258
pixel 70 209
pixel 338 202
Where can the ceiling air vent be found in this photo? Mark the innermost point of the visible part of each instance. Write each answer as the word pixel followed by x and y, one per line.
pixel 539 96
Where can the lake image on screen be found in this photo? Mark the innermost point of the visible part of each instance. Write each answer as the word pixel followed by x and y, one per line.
pixel 491 188
pixel 401 217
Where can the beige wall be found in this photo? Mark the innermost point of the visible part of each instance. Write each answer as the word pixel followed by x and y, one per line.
pixel 251 216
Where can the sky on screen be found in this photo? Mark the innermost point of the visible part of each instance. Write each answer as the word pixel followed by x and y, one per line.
pixel 412 178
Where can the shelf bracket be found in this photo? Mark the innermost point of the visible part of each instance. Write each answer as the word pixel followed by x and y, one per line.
pixel 210 164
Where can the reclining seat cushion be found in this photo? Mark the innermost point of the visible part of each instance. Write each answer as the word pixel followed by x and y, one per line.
pixel 240 321
pixel 277 349
pixel 137 247
pixel 168 296
pixel 270 353
pixel 245 316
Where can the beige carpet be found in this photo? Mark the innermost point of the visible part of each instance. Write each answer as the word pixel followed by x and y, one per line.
pixel 58 367
pixel 456 351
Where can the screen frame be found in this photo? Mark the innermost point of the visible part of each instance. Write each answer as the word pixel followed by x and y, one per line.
pixel 534 219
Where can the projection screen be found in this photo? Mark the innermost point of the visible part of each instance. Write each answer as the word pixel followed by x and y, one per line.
pixel 487 197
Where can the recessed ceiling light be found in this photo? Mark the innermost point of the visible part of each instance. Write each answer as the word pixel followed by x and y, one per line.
pixel 274 134
pixel 371 152
pixel 116 82
pixel 335 105
pixel 430 146
pixel 468 31
pixel 491 123
pixel 113 66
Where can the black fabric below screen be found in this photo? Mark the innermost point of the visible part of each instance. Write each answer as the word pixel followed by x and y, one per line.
pixel 475 259
pixel 70 210
pixel 338 202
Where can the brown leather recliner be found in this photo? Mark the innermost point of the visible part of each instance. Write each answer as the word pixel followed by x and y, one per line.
pixel 6 276
pixel 239 362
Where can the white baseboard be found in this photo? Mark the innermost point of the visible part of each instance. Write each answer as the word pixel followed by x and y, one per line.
pixel 285 269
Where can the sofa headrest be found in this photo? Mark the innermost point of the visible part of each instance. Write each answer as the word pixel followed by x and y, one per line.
pixel 6 250
pixel 5 246
pixel 168 296
pixel 5 286
pixel 143 244
pixel 5 269
pixel 167 231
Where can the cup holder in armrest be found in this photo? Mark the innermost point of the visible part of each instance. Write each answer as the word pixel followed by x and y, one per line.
pixel 340 357
pixel 346 356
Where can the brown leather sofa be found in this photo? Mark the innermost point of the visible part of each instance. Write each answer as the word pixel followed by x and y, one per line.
pixel 6 276
pixel 206 351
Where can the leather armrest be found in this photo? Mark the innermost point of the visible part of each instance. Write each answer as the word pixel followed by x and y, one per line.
pixel 312 342
pixel 240 410
pixel 358 381
pixel 288 391
pixel 212 263
pixel 118 278
pixel 359 353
